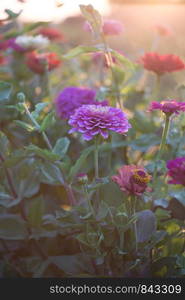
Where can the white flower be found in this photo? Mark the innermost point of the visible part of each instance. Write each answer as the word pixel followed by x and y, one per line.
pixel 32 42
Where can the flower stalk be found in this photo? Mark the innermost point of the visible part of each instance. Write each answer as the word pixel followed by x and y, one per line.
pixel 163 143
pixel 96 162
pixel 37 126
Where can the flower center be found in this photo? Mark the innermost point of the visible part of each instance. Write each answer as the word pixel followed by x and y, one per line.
pixel 141 176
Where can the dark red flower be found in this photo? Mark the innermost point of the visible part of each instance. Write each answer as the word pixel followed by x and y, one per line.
pixel 52 34
pixel 39 62
pixel 132 179
pixel 161 64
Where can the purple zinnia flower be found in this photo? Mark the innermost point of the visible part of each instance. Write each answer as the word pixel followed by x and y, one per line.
pixel 72 98
pixel 168 106
pixel 176 171
pixel 91 120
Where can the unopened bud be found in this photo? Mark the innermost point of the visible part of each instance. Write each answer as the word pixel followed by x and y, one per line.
pixel 21 97
pixel 82 178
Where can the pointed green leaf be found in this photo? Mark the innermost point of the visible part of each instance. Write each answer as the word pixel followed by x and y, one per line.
pixel 61 146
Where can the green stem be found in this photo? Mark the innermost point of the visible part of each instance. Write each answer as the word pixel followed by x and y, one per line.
pixel 96 164
pixel 135 226
pixel 156 87
pixel 163 143
pixel 110 64
pixel 37 126
pixel 88 200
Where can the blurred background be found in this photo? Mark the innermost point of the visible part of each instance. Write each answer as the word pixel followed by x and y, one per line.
pixel 139 17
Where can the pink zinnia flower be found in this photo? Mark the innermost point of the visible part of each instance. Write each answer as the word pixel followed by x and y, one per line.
pixel 91 120
pixel 161 64
pixel 112 27
pixel 132 179
pixel 168 106
pixel 72 97
pixel 109 27
pixel 176 171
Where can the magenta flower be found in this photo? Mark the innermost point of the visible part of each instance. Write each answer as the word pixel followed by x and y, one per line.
pixel 109 27
pixel 72 98
pixel 176 171
pixel 132 179
pixel 91 120
pixel 168 106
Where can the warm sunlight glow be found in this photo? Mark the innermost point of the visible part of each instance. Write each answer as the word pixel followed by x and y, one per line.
pixel 50 10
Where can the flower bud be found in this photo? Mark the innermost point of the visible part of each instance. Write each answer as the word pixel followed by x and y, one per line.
pixel 82 178
pixel 21 97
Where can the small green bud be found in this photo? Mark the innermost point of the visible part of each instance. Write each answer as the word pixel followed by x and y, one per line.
pixel 21 97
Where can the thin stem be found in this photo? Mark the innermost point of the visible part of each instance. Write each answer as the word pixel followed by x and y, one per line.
pixel 156 87
pixel 88 200
pixel 110 64
pixel 135 226
pixel 47 141
pixel 163 143
pixel 96 164
pixel 37 126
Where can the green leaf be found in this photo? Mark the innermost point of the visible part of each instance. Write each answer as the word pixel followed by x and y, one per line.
pixel 24 125
pixel 48 121
pixel 161 202
pixel 61 146
pixel 103 211
pixel 78 51
pixel 179 195
pixel 123 59
pixel 7 200
pixel 11 14
pixel 50 174
pixel 38 109
pixel 93 17
pixel 98 183
pixel 36 211
pixel 162 214
pixel 146 225
pixel 73 264
pixel 43 153
pixel 29 186
pixel 12 227
pixel 5 91
pixel 77 166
